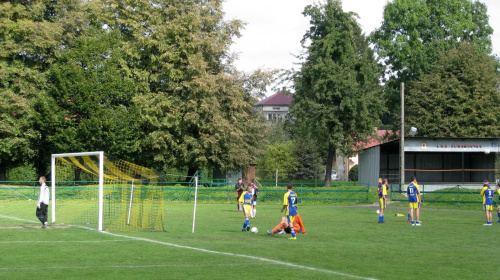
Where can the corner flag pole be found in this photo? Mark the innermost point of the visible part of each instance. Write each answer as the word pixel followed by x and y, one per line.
pixel 402 141
pixel 195 199
pixel 53 186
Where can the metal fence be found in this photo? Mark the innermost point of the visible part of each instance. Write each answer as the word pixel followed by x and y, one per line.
pixel 432 193
pixel 207 191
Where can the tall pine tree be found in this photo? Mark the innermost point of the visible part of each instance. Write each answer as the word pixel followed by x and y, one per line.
pixel 337 99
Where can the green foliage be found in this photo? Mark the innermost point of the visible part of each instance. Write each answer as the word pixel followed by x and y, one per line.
pixel 92 97
pixel 278 132
pixel 152 83
pixel 192 113
pixel 308 159
pixel 353 173
pixel 458 97
pixel 414 32
pixel 279 156
pixel 22 173
pixel 337 89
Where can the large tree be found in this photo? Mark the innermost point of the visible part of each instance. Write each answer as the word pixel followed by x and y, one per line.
pixel 414 32
pixel 194 113
pixel 29 34
pixel 88 102
pixel 458 97
pixel 150 81
pixel 337 89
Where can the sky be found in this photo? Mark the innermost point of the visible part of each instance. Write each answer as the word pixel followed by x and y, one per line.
pixel 274 29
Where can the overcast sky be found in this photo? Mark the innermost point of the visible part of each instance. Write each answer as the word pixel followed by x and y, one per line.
pixel 275 27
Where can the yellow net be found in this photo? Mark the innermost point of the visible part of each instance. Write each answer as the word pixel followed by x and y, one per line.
pixel 133 199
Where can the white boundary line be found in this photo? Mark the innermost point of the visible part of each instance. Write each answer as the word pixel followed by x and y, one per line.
pixel 221 253
pixel 240 255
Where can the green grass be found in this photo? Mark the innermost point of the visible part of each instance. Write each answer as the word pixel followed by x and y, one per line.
pixel 341 243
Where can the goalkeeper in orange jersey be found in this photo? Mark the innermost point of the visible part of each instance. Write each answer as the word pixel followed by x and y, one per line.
pixel 284 227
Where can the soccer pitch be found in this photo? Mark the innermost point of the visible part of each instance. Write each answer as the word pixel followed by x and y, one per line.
pixel 340 243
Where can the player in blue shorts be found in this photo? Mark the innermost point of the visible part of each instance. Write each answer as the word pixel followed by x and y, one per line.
pixel 289 203
pixel 413 192
pixel 245 205
pixel 487 194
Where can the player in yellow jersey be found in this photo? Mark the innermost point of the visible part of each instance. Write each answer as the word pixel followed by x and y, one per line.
pixel 413 192
pixel 289 203
pixel 487 194
pixel 245 205
pixel 382 198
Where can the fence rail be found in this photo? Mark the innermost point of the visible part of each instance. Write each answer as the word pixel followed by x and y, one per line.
pixel 431 193
pixel 269 191
pixel 337 192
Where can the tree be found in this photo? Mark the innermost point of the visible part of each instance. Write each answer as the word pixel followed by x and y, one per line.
pixel 16 133
pixel 458 97
pixel 193 113
pixel 28 38
pixel 279 156
pixel 414 32
pixel 337 89
pixel 308 159
pixel 88 105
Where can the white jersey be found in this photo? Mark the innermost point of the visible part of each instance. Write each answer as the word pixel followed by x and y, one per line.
pixel 44 194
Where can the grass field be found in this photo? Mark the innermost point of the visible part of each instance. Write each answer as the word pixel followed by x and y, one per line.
pixel 340 243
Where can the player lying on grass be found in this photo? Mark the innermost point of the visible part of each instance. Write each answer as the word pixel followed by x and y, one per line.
pixel 284 226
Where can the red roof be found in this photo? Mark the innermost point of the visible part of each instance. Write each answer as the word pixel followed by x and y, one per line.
pixel 277 99
pixel 379 137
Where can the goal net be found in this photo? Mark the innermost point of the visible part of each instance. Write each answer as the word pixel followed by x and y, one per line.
pixel 96 190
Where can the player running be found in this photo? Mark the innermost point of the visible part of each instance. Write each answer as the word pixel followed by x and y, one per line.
pixel 245 205
pixel 413 192
pixel 487 194
pixel 289 203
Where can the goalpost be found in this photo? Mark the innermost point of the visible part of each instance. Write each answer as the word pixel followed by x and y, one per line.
pixel 101 182
pixel 128 196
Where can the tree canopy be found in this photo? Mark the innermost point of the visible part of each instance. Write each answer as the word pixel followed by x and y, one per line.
pixel 151 82
pixel 458 97
pixel 337 89
pixel 414 32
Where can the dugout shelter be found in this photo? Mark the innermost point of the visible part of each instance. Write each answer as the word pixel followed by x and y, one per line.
pixel 433 160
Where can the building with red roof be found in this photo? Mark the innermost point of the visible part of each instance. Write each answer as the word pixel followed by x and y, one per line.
pixel 276 106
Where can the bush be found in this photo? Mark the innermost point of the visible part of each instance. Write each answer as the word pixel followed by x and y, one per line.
pixel 22 173
pixel 353 173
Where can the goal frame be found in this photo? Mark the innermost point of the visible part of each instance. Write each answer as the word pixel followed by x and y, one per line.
pixel 101 182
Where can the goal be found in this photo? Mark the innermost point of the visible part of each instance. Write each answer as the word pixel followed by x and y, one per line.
pixel 97 190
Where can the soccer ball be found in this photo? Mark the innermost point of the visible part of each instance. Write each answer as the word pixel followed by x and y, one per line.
pixel 378 211
pixel 254 230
